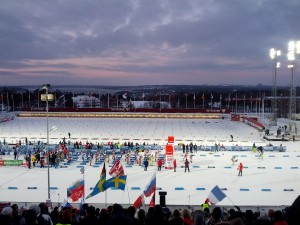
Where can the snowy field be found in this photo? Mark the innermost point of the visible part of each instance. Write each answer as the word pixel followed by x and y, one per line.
pixel 263 183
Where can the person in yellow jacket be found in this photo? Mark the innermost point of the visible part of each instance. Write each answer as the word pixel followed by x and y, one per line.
pixel 151 160
pixel 205 204
pixel 33 159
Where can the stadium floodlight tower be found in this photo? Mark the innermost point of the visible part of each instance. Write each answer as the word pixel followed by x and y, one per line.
pixel 293 49
pixel 274 53
pixel 47 97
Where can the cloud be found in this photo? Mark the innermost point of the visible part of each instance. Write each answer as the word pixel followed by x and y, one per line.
pixel 101 41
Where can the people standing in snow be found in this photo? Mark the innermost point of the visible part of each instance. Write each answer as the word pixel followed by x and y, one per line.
pixel 186 165
pixel 240 168
pixel 159 164
pixel 174 164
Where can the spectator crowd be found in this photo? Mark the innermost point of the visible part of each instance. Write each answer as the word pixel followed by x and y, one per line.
pixel 157 215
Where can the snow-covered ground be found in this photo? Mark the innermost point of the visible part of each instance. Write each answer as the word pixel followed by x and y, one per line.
pixel 280 172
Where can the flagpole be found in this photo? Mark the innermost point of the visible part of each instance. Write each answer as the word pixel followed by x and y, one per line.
pixel 128 193
pixel 29 99
pixel 105 198
pixel 83 186
pixel 7 98
pixel 22 99
pixel 230 200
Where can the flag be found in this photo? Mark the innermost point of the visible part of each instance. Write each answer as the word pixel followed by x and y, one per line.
pixel 211 96
pixel 66 204
pixel 220 96
pixel 215 195
pixel 117 169
pixel 152 202
pixel 124 95
pixel 194 96
pixel 203 96
pixel 151 187
pixel 76 190
pixel 116 182
pixel 81 204
pixel 139 202
pixel 100 186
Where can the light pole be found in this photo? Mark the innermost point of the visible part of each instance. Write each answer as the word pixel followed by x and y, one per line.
pixel 47 97
pixel 274 53
pixel 293 49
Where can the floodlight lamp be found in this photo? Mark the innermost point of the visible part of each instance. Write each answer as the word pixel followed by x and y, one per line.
pixel 291 46
pixel 278 65
pixel 290 66
pixel 272 53
pixel 278 53
pixel 291 56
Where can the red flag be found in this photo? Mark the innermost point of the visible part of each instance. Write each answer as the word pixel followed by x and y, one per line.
pixel 152 202
pixel 76 191
pixel 117 169
pixel 139 202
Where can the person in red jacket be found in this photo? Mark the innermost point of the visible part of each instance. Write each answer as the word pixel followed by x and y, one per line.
pixel 240 168
pixel 174 165
pixel 159 164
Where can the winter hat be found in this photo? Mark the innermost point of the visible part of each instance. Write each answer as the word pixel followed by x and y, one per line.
pixel 36 209
pixel 6 211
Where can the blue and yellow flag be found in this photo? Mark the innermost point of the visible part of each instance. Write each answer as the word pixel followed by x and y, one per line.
pixel 100 186
pixel 118 182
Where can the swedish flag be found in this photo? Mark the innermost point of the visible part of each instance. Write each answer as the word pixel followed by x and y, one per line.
pixel 118 182
pixel 100 186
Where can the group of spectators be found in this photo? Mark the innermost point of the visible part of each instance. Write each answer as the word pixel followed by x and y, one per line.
pixel 157 215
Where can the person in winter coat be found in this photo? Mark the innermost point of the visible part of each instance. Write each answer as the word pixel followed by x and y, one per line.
pixel 186 165
pixel 159 164
pixel 6 216
pixel 187 219
pixel 174 164
pixel 198 217
pixel 118 216
pixel 146 163
pixel 176 218
pixel 240 168
pixel 278 218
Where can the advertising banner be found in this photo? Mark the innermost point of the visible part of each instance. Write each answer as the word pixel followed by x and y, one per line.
pixel 13 162
pixel 169 156
pixel 1 162
pixel 171 139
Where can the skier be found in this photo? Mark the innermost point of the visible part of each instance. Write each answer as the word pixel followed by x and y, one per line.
pixel 151 160
pixel 174 164
pixel 234 159
pixel 159 164
pixel 260 152
pixel 146 163
pixel 28 160
pixel 240 168
pixel 186 165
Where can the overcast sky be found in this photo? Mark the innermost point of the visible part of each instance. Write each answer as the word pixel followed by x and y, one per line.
pixel 140 42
